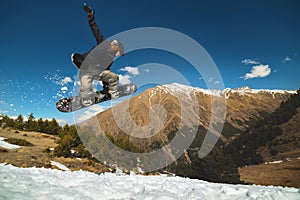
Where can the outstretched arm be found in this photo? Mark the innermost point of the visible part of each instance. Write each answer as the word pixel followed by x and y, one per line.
pixel 95 29
pixel 92 22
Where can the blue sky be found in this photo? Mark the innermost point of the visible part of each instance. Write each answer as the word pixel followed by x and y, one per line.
pixel 253 43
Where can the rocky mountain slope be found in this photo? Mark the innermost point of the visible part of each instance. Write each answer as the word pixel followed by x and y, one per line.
pixel 155 113
pixel 175 121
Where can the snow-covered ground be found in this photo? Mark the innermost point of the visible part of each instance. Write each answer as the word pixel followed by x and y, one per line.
pixel 40 183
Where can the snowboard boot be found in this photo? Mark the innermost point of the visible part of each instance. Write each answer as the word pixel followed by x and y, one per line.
pixel 88 10
pixel 87 101
pixel 111 90
pixel 101 96
pixel 114 94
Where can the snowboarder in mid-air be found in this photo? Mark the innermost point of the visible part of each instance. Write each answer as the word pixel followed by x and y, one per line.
pixel 95 65
pixel 101 72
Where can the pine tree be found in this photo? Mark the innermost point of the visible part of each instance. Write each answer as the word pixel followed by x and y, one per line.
pixel 54 127
pixel 46 126
pixel 7 122
pixel 40 125
pixel 31 124
pixel 19 123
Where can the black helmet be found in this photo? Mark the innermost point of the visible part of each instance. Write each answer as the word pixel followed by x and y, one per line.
pixel 116 45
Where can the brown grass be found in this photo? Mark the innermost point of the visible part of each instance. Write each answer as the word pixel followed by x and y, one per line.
pixel 280 174
pixel 37 156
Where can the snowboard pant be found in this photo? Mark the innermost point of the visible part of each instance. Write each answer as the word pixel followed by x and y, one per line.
pixel 109 80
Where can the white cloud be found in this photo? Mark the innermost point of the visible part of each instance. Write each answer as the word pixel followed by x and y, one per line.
pixel 96 108
pixel 250 62
pixel 90 112
pixel 124 79
pixel 211 80
pixel 16 117
pixel 287 59
pixel 61 122
pixel 131 70
pixel 258 71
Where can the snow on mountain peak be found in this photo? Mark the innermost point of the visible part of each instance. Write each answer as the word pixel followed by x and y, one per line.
pixel 185 89
pixel 246 89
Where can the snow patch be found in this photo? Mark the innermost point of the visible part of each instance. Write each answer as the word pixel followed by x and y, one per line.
pixel 247 89
pixel 6 145
pixel 274 162
pixel 188 90
pixel 60 166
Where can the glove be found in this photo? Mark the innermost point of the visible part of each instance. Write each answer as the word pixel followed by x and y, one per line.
pixel 88 10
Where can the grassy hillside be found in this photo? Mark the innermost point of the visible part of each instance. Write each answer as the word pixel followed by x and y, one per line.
pixel 41 153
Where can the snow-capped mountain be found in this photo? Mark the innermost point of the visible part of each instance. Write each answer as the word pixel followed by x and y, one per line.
pixel 153 118
pixel 190 106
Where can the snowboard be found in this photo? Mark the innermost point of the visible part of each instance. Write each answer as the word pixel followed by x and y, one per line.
pixel 73 103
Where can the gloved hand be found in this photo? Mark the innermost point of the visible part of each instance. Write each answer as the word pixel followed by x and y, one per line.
pixel 88 10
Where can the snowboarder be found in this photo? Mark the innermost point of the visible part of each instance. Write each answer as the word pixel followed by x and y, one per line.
pixel 101 71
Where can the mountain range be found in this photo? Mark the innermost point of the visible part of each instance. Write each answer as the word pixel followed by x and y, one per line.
pixel 160 110
pixel 180 120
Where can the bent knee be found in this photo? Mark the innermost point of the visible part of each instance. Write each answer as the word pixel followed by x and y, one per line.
pixel 109 77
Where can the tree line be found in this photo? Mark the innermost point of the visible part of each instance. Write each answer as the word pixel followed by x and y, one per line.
pixel 31 124
pixel 69 145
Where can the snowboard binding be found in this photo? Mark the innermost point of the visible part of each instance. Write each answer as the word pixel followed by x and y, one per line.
pixel 73 103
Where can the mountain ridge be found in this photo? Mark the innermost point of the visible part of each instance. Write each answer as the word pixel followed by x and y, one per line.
pixel 241 90
pixel 167 98
pixel 152 119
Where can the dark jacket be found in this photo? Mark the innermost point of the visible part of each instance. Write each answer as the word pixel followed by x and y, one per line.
pixel 99 58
